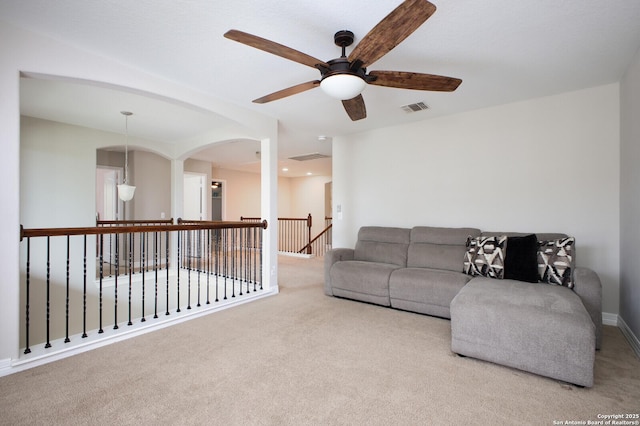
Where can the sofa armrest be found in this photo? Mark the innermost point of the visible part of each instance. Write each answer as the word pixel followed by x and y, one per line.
pixel 588 287
pixel 331 257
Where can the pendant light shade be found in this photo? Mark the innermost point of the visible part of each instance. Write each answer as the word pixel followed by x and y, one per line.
pixel 126 191
pixel 343 86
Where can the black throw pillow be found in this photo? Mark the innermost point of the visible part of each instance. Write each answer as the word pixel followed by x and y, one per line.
pixel 521 259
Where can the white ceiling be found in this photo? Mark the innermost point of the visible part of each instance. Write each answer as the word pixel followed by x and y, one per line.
pixel 503 50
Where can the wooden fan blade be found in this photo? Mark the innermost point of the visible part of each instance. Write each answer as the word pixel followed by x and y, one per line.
pixel 293 90
pixel 355 108
pixel 274 48
pixel 414 80
pixel 390 32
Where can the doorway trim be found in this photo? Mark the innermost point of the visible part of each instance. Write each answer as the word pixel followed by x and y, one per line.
pixel 223 207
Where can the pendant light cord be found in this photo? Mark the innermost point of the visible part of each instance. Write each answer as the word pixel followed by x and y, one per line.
pixel 126 146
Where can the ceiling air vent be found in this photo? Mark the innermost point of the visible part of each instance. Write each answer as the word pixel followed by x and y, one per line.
pixel 420 106
pixel 307 157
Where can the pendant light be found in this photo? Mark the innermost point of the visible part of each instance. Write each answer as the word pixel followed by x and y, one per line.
pixel 125 191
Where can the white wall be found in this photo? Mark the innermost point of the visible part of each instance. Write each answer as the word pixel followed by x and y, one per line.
pixel 307 196
pixel 241 192
pixel 152 178
pixel 58 173
pixel 57 155
pixel 297 197
pixel 542 165
pixel 630 198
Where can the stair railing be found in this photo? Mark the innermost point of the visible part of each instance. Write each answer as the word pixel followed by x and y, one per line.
pixel 60 302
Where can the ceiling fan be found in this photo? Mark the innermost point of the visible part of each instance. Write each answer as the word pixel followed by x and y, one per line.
pixel 345 77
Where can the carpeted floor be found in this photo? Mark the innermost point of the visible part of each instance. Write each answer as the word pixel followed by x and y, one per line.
pixel 303 358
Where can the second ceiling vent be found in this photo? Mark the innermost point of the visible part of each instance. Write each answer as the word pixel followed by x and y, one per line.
pixel 307 157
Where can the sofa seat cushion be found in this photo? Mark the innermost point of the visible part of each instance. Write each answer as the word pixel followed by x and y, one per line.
pixel 364 281
pixel 424 290
pixel 540 328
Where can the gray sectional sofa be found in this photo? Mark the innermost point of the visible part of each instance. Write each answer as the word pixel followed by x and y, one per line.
pixel 550 330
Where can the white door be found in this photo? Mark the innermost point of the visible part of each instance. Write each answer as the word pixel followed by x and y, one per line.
pixel 108 205
pixel 195 205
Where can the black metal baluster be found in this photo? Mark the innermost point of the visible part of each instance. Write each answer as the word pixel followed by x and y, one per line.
pixel 233 263
pixel 254 254
pixel 247 259
pixel 180 238
pixel 130 273
pixel 110 254
pixel 100 330
pixel 84 291
pixel 218 237
pixel 189 257
pixel 147 245
pixel 66 339
pixel 260 235
pixel 115 285
pixel 247 262
pixel 48 344
pixel 155 269
pixel 27 349
pixel 252 258
pixel 208 263
pixel 199 263
pixel 225 259
pixel 240 231
pixel 143 259
pixel 166 245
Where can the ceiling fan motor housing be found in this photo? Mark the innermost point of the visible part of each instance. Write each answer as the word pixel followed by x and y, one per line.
pixel 341 78
pixel 343 38
pixel 341 65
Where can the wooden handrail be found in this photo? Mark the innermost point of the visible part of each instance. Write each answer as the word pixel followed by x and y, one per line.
pixel 133 222
pixel 54 232
pixel 305 219
pixel 324 231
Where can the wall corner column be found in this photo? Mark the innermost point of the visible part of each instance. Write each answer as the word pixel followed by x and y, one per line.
pixel 177 204
pixel 269 211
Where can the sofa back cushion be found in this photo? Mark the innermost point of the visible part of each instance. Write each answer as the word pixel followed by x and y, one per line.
pixel 439 248
pixel 382 244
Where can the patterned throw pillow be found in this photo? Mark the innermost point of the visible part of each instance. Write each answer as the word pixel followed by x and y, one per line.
pixel 554 261
pixel 485 256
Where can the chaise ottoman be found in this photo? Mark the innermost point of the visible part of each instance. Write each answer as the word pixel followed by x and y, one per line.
pixel 540 328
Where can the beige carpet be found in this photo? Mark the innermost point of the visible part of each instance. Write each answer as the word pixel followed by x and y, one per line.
pixel 304 358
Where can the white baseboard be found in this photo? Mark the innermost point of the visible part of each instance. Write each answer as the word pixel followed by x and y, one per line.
pixel 631 337
pixel 5 365
pixel 609 319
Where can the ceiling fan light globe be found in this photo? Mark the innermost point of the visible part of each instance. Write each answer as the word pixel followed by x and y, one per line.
pixel 125 192
pixel 343 86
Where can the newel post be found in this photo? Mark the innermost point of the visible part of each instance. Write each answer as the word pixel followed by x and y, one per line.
pixel 309 223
